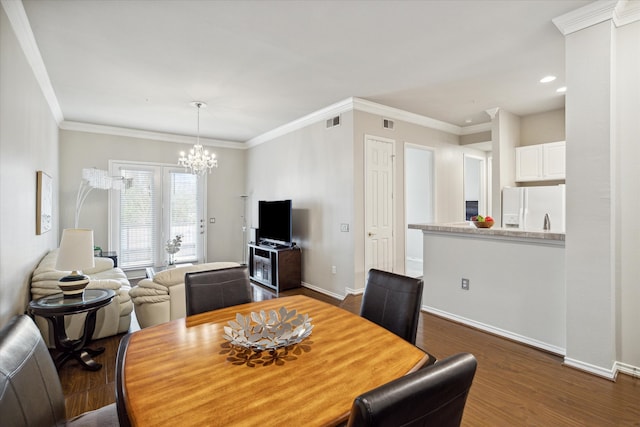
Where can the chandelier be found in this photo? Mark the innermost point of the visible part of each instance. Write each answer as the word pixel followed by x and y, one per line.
pixel 198 161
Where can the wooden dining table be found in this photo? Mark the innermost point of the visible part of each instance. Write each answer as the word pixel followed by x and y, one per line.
pixel 184 372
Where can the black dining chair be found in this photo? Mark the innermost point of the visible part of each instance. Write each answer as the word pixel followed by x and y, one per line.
pixel 393 302
pixel 123 416
pixel 30 389
pixel 433 396
pixel 213 289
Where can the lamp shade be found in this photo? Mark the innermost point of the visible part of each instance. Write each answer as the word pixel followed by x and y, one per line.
pixel 76 250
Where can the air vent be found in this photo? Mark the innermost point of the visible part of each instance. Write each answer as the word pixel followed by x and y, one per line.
pixel 333 122
pixel 387 124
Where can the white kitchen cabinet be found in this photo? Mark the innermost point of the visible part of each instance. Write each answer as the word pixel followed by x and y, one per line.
pixel 541 162
pixel 553 163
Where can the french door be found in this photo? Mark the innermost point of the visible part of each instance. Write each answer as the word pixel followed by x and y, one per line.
pixel 158 203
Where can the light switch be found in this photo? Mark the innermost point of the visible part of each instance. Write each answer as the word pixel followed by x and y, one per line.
pixel 212 220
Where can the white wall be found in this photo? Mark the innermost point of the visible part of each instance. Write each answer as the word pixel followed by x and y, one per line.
pixel 225 185
pixel 312 167
pixel 509 294
pixel 448 156
pixel 28 143
pixel 627 177
pixel 543 127
pixel 322 171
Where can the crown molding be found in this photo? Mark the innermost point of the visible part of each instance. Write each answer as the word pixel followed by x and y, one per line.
pixel 143 134
pixel 397 114
pixel 480 127
pixel 621 12
pixel 332 110
pixel 22 29
pixel 626 12
pixel 359 104
pixel 304 121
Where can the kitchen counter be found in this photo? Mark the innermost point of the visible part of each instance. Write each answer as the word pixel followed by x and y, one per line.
pixel 469 230
pixel 514 281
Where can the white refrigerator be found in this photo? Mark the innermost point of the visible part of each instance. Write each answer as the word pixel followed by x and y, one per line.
pixel 525 208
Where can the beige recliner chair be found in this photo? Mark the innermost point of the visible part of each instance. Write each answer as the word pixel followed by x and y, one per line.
pixel 162 298
pixel 113 319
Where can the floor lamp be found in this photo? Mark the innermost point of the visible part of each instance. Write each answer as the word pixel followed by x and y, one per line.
pixel 100 179
pixel 244 229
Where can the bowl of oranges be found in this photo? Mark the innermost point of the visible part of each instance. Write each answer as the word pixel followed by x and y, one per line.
pixel 482 221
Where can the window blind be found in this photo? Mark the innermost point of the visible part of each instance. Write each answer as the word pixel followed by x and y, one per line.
pixel 184 214
pixel 138 219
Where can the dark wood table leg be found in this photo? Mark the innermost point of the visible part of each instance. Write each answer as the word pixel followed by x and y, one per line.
pixel 76 349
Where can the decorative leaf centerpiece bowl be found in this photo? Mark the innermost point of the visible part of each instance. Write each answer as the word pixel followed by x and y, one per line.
pixel 268 331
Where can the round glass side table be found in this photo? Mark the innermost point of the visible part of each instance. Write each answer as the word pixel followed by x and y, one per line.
pixel 55 307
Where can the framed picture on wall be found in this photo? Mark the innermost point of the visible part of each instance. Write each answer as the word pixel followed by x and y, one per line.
pixel 44 203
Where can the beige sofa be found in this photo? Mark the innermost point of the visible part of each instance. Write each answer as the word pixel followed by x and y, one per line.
pixel 163 299
pixel 111 320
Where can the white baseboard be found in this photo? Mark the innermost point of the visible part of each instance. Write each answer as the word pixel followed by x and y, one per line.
pixel 609 374
pixel 351 291
pixel 322 291
pixel 497 331
pixel 634 371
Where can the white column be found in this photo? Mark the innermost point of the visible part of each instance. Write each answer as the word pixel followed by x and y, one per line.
pixel 603 183
pixel 590 245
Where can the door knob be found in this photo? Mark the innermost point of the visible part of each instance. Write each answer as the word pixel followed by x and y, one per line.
pixel 371 234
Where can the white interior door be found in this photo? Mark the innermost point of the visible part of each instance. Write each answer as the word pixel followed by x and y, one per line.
pixel 379 244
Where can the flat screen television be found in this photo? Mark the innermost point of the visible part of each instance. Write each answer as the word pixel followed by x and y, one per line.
pixel 274 222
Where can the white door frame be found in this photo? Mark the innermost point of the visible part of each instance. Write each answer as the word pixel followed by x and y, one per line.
pixel 432 190
pixel 368 263
pixel 482 196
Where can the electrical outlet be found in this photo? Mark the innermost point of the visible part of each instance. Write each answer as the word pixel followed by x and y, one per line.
pixel 333 269
pixel 465 284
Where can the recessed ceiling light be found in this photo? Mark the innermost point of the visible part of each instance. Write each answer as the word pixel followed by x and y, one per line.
pixel 547 79
pixel 468 121
pixel 562 89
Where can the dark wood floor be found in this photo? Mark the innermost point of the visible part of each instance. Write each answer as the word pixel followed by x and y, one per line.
pixel 515 385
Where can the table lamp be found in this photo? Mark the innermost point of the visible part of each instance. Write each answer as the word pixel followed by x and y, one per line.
pixel 75 254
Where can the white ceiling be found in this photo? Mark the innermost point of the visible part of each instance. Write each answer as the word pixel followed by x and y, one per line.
pixel 261 64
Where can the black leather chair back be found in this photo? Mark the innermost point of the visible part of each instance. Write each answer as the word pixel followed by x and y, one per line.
pixel 210 290
pixel 30 390
pixel 393 302
pixel 121 395
pixel 433 396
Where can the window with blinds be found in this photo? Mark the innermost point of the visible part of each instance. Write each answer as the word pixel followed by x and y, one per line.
pixel 138 236
pixel 158 203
